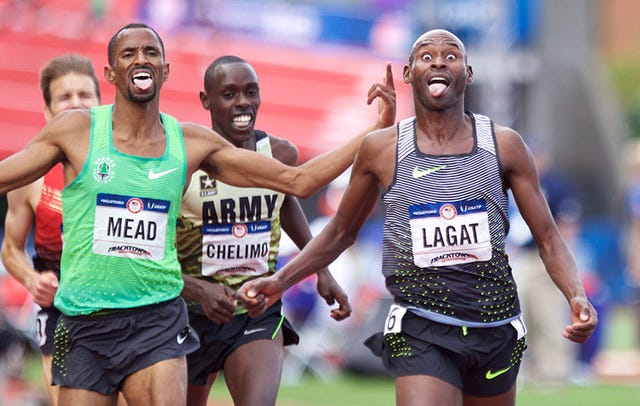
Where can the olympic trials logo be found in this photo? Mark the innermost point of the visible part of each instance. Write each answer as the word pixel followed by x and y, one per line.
pixel 239 230
pixel 135 205
pixel 448 211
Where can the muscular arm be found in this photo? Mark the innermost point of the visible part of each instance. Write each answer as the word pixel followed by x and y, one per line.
pixel 65 139
pixel 18 223
pixel 373 165
pixel 522 177
pixel 245 168
pixel 294 222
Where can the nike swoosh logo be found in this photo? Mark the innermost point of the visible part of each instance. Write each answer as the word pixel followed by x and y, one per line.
pixel 491 375
pixel 418 173
pixel 255 330
pixel 157 175
pixel 182 335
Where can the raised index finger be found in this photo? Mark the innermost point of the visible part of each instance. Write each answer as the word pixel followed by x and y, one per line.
pixel 388 77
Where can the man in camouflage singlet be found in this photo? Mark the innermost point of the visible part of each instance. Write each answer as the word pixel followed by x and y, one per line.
pixel 124 327
pixel 67 82
pixel 454 334
pixel 227 235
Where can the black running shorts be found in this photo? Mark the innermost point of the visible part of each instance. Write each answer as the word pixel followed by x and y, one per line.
pixel 217 341
pixel 480 361
pixel 97 352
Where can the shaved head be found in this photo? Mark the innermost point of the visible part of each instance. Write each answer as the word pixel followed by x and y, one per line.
pixel 428 36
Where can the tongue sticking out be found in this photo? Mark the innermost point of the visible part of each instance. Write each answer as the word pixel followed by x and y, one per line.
pixel 142 84
pixel 436 89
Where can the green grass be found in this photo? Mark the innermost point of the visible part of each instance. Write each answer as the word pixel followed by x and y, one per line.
pixel 354 390
pixel 344 390
pixel 596 395
pixel 350 390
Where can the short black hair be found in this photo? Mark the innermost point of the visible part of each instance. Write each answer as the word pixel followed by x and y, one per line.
pixel 112 41
pixel 223 60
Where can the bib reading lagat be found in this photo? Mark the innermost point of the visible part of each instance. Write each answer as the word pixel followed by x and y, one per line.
pixel 129 226
pixel 236 249
pixel 450 233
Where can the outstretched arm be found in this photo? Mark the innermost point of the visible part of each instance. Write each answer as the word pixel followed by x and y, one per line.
pixel 521 175
pixel 356 205
pixel 65 138
pixel 294 222
pixel 245 168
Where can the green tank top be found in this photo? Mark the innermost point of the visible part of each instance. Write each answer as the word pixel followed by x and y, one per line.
pixel 119 217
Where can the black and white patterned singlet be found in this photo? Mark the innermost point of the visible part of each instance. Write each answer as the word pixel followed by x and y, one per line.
pixel 444 234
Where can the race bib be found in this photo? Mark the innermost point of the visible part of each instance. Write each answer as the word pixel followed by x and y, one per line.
pixel 41 328
pixel 393 323
pixel 130 227
pixel 450 233
pixel 236 249
pixel 520 327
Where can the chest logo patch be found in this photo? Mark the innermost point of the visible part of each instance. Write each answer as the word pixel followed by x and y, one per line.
pixel 208 186
pixel 103 170
pixel 418 173
pixel 157 175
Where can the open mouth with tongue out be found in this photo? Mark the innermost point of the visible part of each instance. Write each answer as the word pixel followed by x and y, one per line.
pixel 437 86
pixel 142 80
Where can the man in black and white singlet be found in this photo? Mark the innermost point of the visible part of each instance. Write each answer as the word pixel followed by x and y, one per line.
pixel 454 334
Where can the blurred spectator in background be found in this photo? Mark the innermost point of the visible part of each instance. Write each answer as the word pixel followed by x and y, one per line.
pixel 329 347
pixel 15 339
pixel 570 225
pixel 551 360
pixel 633 247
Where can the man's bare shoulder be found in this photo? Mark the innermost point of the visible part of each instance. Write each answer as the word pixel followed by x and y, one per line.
pixel 508 138
pixel 380 140
pixel 377 154
pixel 194 132
pixel 73 120
pixel 67 130
pixel 283 150
pixel 512 149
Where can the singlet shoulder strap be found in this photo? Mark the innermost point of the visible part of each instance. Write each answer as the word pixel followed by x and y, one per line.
pixel 406 137
pixel 101 126
pixel 484 132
